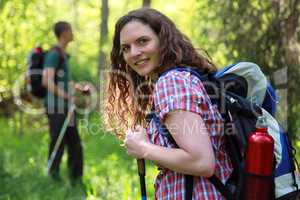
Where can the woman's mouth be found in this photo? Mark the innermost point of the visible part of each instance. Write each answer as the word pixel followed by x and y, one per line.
pixel 141 63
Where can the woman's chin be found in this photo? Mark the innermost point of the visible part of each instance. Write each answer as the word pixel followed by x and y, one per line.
pixel 144 72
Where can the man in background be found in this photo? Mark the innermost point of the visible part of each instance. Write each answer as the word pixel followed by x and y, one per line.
pixel 57 101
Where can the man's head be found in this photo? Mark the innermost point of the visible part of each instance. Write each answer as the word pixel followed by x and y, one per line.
pixel 63 30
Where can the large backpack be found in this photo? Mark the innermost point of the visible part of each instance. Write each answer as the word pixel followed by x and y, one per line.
pixel 242 93
pixel 34 74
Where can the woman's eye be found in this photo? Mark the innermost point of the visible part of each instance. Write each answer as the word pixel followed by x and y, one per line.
pixel 125 49
pixel 142 41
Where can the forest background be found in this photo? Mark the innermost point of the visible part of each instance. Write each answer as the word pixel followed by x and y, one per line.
pixel 264 32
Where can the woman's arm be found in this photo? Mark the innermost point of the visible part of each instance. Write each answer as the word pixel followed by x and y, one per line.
pixel 194 156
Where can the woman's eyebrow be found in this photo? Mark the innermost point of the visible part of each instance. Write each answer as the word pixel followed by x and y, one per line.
pixel 141 37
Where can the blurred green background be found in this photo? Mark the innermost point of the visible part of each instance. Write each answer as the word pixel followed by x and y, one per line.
pixel 264 32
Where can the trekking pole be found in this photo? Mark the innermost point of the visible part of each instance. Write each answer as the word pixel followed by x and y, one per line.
pixel 141 171
pixel 60 137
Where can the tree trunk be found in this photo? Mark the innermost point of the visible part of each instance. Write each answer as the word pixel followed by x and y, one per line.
pixel 146 3
pixel 75 25
pixel 289 47
pixel 102 56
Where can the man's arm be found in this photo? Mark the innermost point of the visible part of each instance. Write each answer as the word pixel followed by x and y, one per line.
pixel 48 82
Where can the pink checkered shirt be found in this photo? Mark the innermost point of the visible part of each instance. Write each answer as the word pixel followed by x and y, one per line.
pixel 183 91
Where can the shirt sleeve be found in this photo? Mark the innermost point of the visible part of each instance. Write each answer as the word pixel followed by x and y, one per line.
pixel 51 60
pixel 179 91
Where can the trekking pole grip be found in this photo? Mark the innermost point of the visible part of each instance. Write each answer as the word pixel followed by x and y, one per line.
pixel 141 166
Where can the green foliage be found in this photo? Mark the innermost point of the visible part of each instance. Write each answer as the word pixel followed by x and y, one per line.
pixel 230 31
pixel 108 172
pixel 245 25
pixel 263 32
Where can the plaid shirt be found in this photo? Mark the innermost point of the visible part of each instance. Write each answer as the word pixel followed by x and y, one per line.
pixel 183 91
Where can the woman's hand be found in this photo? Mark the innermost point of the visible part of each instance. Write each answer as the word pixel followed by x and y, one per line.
pixel 135 142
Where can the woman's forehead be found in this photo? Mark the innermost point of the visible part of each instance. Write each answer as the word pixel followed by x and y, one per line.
pixel 133 30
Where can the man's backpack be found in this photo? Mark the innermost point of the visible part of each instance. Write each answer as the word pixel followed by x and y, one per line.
pixel 34 74
pixel 242 93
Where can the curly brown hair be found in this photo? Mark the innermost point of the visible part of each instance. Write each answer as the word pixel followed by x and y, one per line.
pixel 129 95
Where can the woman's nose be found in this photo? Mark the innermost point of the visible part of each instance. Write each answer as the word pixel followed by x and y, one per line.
pixel 135 51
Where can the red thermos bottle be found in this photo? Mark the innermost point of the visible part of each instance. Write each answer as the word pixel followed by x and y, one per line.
pixel 259 164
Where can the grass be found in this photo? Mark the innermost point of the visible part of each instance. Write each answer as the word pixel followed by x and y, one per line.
pixel 108 172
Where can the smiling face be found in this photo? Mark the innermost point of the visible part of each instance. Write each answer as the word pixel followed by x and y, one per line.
pixel 140 47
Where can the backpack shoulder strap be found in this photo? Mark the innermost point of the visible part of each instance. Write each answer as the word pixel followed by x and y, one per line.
pixel 221 187
pixel 196 72
pixel 57 49
pixel 60 53
pixel 162 129
pixel 206 78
